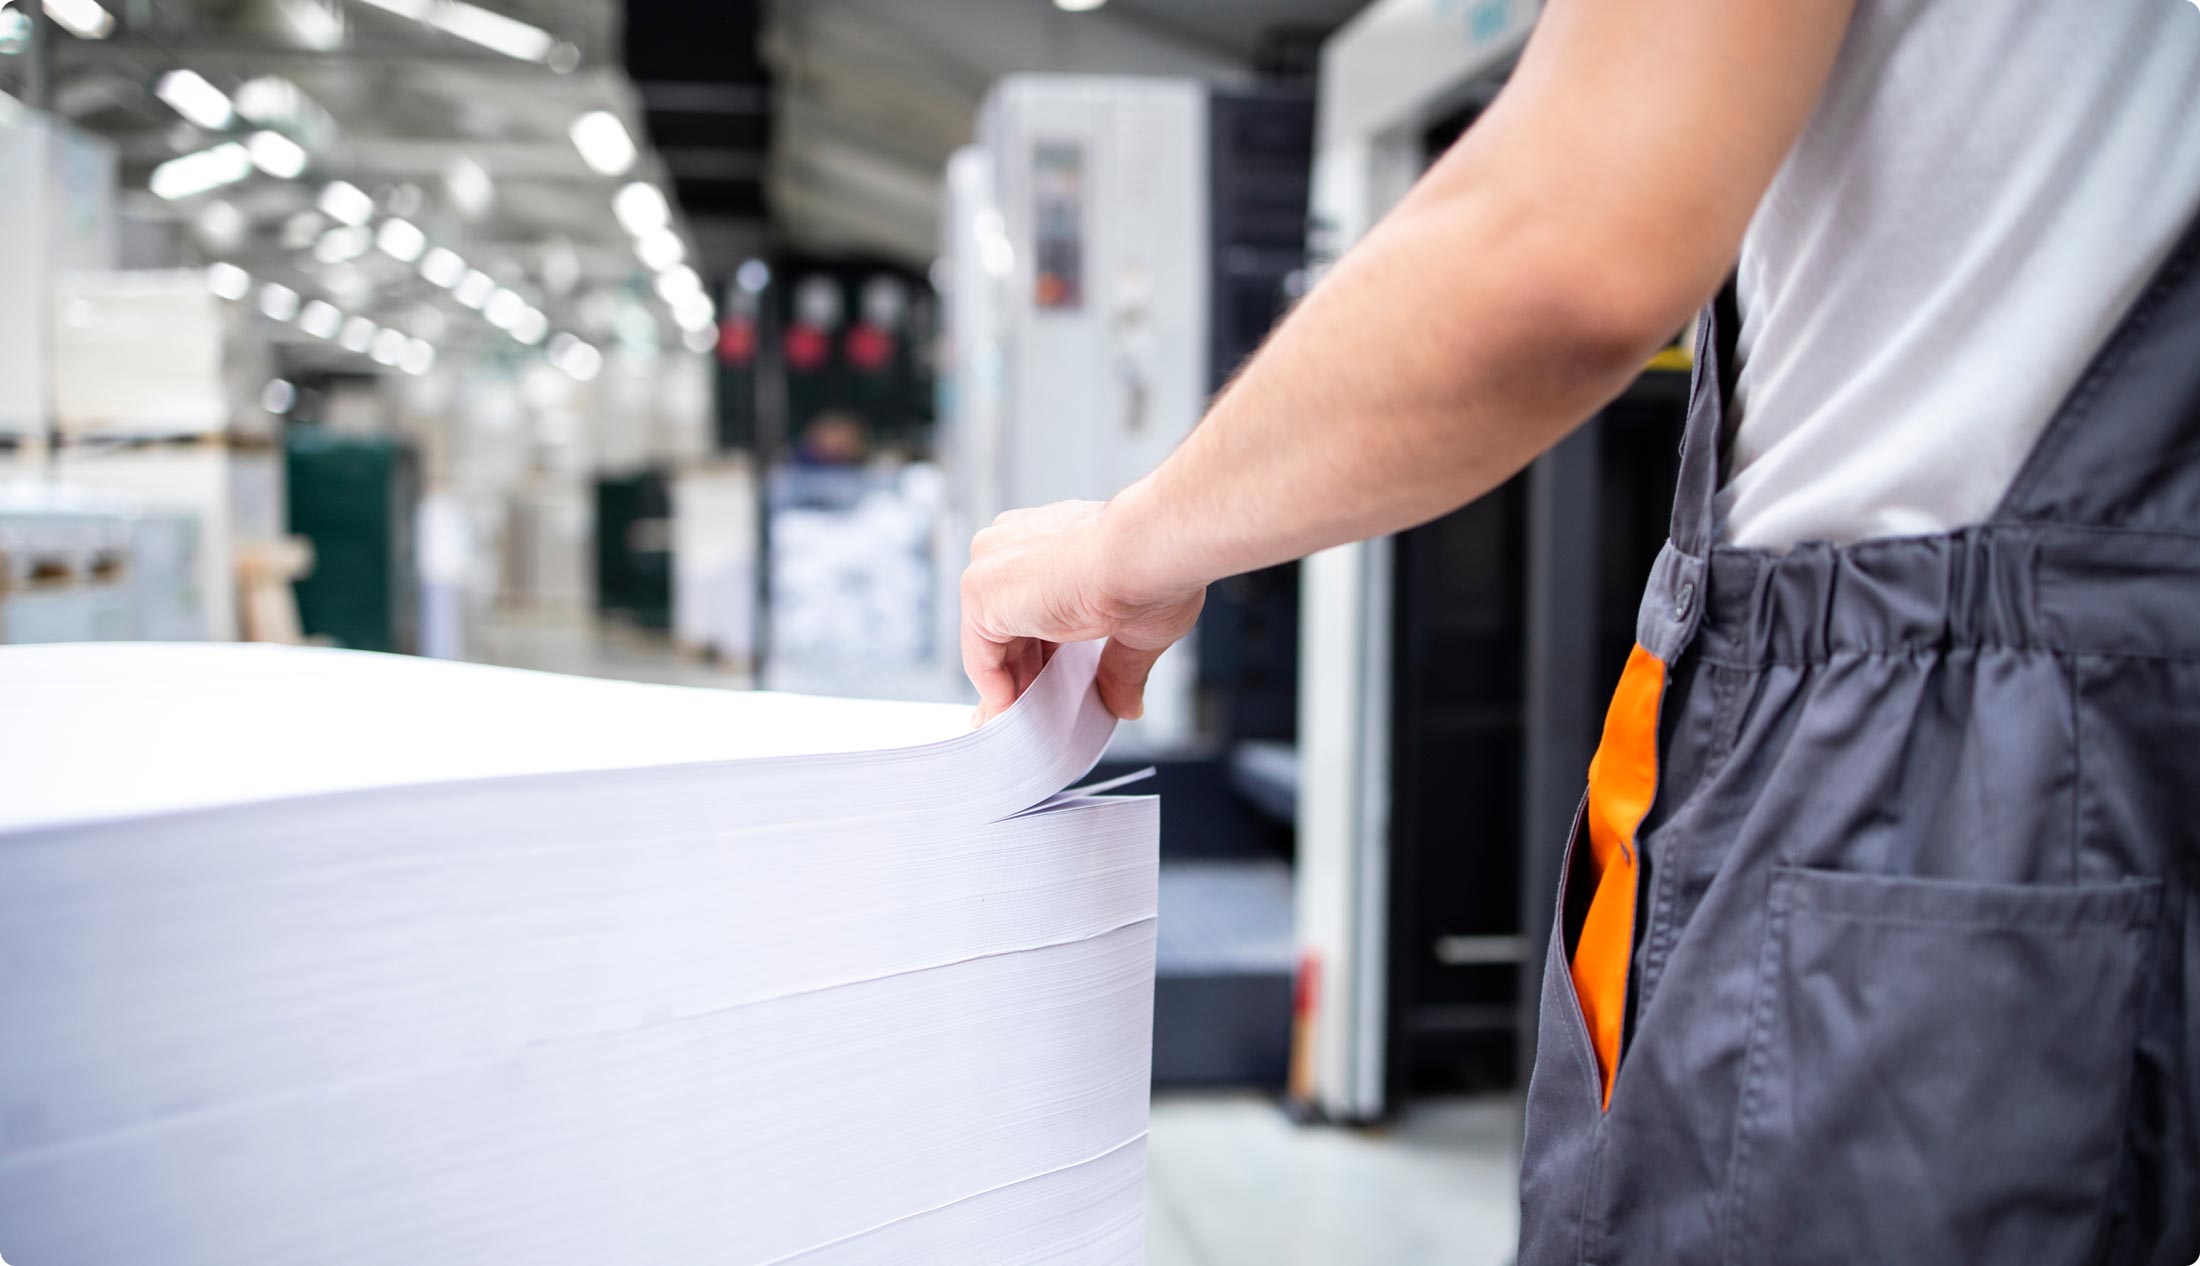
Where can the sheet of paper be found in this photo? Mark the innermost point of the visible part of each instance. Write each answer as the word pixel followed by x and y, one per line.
pixel 394 958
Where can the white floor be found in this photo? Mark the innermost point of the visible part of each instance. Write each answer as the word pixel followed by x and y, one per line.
pixel 1232 1182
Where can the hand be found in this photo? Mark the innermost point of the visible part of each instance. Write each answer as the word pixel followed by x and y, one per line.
pixel 1046 576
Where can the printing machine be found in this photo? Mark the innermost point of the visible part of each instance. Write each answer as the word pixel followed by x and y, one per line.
pixel 1452 677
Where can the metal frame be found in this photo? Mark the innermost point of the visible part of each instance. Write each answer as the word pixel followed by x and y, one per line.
pixel 1398 67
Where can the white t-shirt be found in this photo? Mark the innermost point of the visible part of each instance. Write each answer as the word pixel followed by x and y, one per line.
pixel 1985 187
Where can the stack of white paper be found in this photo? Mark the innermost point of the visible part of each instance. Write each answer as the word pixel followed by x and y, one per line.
pixel 319 957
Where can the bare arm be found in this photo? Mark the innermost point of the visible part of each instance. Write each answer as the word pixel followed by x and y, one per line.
pixel 1515 290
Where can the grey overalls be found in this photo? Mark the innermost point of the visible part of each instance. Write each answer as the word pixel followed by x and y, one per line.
pixel 1907 970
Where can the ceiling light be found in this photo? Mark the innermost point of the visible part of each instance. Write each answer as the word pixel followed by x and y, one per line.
pixel 641 208
pixel 222 225
pixel 508 36
pixel 675 282
pixel 575 357
pixel 530 326
pixel 474 288
pixel 228 280
pixel 82 18
pixel 1078 6
pixel 443 267
pixel 278 301
pixel 276 154
pixel 358 334
pixel 342 243
pixel 320 319
pixel 752 276
pixel 270 99
pixel 347 202
pixel 389 346
pixel 417 10
pixel 417 358
pixel 469 187
pixel 504 309
pixel 197 173
pixel 603 143
pixel 694 311
pixel 401 240
pixel 278 395
pixel 189 94
pixel 660 250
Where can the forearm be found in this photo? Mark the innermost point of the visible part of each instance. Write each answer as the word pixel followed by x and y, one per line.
pixel 1435 362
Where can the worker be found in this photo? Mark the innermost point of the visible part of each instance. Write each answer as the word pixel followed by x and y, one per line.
pixel 1876 939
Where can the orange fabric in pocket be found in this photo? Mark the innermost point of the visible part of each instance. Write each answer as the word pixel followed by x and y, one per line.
pixel 1622 779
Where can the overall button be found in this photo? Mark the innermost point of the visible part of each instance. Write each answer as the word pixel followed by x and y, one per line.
pixel 1684 599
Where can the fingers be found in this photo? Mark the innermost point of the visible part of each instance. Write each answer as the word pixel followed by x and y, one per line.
pixel 1122 677
pixel 991 667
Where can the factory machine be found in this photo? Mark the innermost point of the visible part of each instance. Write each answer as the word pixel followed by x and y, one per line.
pixel 1113 248
pixel 1079 316
pixel 1452 677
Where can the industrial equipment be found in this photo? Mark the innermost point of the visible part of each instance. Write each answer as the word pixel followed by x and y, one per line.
pixel 1450 675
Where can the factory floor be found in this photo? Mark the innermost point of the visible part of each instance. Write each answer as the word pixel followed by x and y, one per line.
pixel 1232 1182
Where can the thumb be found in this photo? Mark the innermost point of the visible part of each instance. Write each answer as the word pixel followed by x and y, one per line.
pixel 1122 677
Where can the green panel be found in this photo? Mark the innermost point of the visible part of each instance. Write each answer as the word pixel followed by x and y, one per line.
pixel 353 496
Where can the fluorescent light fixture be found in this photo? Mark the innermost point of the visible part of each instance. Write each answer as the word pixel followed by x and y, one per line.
pixel 493 31
pixel 660 250
pixel 83 18
pixel 530 326
pixel 347 202
pixel 312 23
pixel 417 10
pixel 675 282
pixel 278 301
pixel 443 267
pixel 222 225
pixel 228 280
pixel 603 143
pixel 469 186
pixel 196 173
pixel 694 312
pixel 401 240
pixel 358 334
pixel 389 346
pixel 575 357
pixel 417 358
pixel 641 208
pixel 341 243
pixel 320 319
pixel 276 154
pixel 504 309
pixel 189 94
pixel 752 276
pixel 270 99
pixel 1078 6
pixel 474 288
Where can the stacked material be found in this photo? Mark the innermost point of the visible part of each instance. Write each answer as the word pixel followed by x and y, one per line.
pixel 330 957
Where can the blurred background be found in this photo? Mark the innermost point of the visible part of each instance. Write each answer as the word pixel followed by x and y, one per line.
pixel 691 342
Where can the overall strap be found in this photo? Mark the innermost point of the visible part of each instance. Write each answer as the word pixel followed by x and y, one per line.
pixel 1704 442
pixel 2123 449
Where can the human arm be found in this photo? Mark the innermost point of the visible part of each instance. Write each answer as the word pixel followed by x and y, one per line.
pixel 1515 290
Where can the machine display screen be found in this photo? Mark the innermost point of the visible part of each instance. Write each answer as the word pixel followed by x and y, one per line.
pixel 1058 176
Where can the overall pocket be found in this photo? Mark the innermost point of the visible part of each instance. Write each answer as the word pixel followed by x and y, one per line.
pixel 1937 1070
